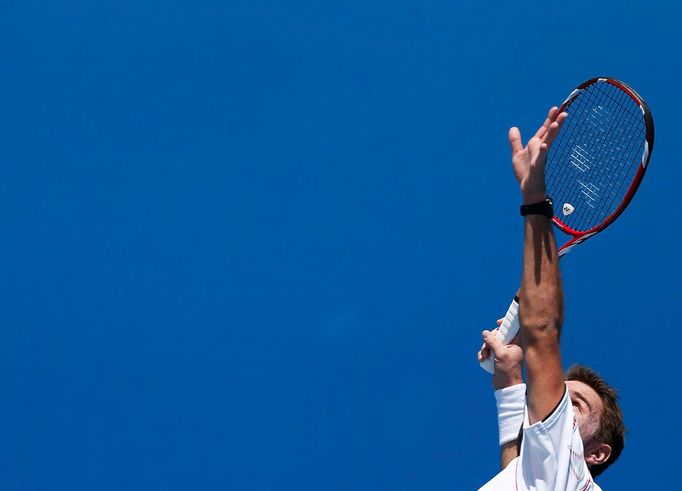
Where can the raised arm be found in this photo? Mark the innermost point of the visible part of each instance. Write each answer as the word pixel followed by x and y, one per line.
pixel 541 305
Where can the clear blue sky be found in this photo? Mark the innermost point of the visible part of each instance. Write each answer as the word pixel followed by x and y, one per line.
pixel 250 245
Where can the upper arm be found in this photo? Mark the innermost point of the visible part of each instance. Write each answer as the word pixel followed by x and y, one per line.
pixel 544 373
pixel 545 380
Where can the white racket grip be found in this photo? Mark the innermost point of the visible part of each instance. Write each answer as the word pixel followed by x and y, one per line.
pixel 505 333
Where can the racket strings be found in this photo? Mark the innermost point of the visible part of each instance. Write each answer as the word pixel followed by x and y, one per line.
pixel 615 171
pixel 599 117
pixel 595 158
pixel 632 151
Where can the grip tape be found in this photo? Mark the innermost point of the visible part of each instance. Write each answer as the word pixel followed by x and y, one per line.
pixel 505 333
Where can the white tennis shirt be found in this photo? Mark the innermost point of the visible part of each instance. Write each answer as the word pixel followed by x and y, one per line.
pixel 551 456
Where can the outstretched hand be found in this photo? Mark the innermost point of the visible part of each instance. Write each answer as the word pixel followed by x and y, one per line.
pixel 529 161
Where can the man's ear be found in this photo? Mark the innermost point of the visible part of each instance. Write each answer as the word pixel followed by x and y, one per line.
pixel 598 454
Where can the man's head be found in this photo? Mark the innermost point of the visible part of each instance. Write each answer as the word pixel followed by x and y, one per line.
pixel 599 417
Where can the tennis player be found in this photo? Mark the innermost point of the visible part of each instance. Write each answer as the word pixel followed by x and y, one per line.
pixel 556 431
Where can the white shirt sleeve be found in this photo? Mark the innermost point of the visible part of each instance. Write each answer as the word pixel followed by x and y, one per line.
pixel 551 456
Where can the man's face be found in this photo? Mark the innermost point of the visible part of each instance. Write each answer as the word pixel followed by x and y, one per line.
pixel 588 408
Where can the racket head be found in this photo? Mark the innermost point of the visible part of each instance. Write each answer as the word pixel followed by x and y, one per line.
pixel 599 158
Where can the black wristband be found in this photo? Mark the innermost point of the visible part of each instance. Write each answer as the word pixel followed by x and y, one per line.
pixel 544 207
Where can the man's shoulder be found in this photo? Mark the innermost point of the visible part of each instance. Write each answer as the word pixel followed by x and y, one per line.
pixel 560 419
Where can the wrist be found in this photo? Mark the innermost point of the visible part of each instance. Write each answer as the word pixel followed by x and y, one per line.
pixel 543 208
pixel 511 403
pixel 528 198
pixel 503 380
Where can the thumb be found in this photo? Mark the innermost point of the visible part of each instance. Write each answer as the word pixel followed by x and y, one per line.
pixel 492 342
pixel 515 140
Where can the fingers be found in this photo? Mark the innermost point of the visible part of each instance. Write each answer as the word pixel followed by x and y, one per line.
pixel 540 146
pixel 499 321
pixel 554 128
pixel 492 342
pixel 515 140
pixel 547 131
pixel 483 353
pixel 503 354
pixel 542 154
pixel 551 116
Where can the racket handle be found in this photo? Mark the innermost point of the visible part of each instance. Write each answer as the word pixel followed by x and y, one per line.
pixel 505 333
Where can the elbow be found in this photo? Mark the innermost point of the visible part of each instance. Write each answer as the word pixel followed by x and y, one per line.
pixel 538 330
pixel 541 320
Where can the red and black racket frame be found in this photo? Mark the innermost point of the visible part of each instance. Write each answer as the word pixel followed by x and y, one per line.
pixel 581 236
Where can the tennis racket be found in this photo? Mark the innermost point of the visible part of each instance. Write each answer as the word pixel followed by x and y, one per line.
pixel 594 167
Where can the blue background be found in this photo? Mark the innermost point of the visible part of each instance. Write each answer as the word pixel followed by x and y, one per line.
pixel 251 245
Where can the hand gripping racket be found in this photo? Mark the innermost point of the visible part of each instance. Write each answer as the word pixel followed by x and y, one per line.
pixel 594 167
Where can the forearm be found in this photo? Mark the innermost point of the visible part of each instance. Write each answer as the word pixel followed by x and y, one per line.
pixel 508 452
pixel 541 305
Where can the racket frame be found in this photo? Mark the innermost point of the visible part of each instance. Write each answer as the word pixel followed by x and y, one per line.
pixel 580 236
